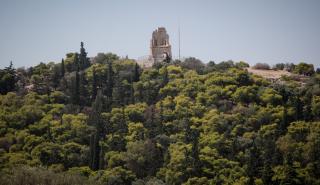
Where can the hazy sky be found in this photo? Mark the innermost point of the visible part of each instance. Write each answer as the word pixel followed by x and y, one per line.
pixel 33 31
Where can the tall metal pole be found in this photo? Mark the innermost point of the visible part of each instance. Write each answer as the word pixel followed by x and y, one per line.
pixel 179 40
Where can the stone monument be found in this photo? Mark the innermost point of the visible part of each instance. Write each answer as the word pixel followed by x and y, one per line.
pixel 160 47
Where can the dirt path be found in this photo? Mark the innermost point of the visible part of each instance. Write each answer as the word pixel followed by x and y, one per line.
pixel 269 74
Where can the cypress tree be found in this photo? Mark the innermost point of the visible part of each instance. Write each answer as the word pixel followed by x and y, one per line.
pixel 298 107
pixel 132 100
pixel 76 95
pixel 101 158
pixel 161 118
pixel 253 163
pixel 75 65
pixel 96 152
pixel 83 60
pixel 62 68
pixel 94 85
pixel 196 163
pixel 91 154
pixel 123 122
pixel 188 131
pixel 110 80
pixel 148 94
pixel 9 83
pixel 307 113
pixel 136 76
pixel 167 59
pixel 96 120
pixel 165 78
pixel 269 150
pixel 83 92
pixel 285 97
pixel 151 122
pixel 284 123
pixel 55 77
pixel 119 93
pixel 290 175
pixel 76 91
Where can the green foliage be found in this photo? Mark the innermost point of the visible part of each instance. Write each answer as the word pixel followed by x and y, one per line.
pixel 108 121
pixel 263 66
pixel 245 94
pixel 242 65
pixel 7 79
pixel 48 153
pixel 270 96
pixel 117 175
pixel 304 69
pixel 193 64
pixel 83 171
pixel 143 158
pixel 316 106
pixel 104 58
pixel 39 176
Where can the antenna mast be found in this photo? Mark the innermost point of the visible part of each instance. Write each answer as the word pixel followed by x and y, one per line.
pixel 179 40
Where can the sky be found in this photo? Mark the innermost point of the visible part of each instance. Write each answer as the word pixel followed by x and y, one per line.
pixel 270 31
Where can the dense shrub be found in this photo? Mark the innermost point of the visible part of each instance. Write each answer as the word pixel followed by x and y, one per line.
pixel 40 176
pixel 304 69
pixel 279 66
pixel 263 66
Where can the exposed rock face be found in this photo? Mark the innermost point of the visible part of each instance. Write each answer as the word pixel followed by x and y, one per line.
pixel 159 45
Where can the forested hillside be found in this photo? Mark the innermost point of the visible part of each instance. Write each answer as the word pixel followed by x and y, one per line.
pixel 108 121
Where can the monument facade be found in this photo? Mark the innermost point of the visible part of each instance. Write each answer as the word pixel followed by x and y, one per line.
pixel 160 46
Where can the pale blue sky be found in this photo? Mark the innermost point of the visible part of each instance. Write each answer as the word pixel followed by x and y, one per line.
pixel 34 31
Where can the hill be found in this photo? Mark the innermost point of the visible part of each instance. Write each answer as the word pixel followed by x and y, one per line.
pixel 109 121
